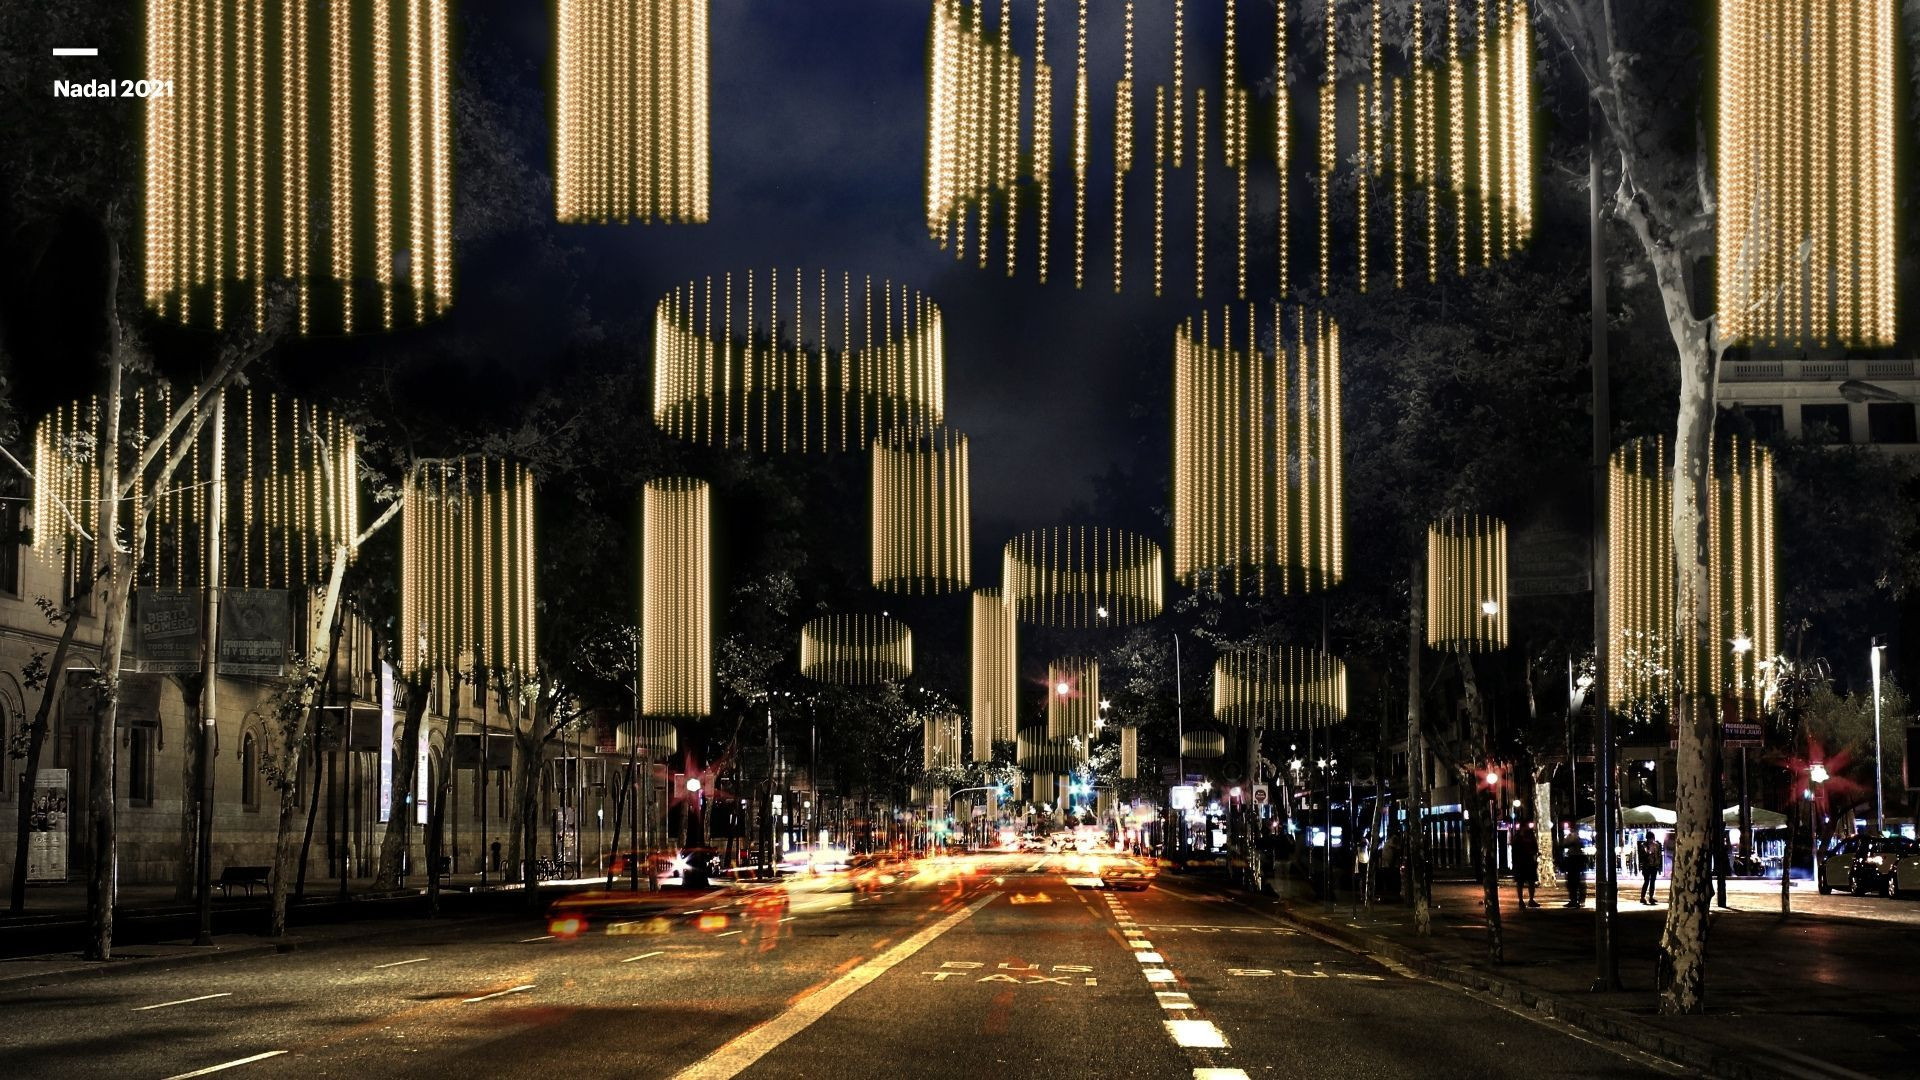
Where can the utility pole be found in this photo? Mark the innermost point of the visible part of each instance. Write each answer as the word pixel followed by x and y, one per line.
pixel 1879 792
pixel 1606 966
pixel 209 671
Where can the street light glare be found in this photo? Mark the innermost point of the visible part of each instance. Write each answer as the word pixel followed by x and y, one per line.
pixel 1742 644
pixel 1489 607
pixel 693 783
pixel 1062 688
pixel 1817 772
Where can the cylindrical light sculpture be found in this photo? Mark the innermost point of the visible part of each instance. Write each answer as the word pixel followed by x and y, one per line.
pixel 1203 744
pixel 1807 115
pixel 1078 576
pixel 1740 602
pixel 922 513
pixel 1279 686
pixel 305 141
pixel 1129 753
pixel 631 116
pixel 1257 483
pixel 467 567
pixel 791 361
pixel 940 741
pixel 648 738
pixel 856 650
pixel 1073 697
pixel 1038 752
pixel 1467 584
pixel 676 575
pixel 994 687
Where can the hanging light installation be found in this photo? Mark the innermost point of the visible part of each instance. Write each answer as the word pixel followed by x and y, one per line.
pixel 1080 576
pixel 994 686
pixel 647 738
pixel 1129 753
pixel 467 567
pixel 1740 604
pixel 1073 697
pixel 1807 178
pixel 1203 744
pixel 289 472
pixel 796 362
pixel 259 162
pixel 1040 753
pixel 940 741
pixel 1430 129
pixel 856 650
pixel 1279 686
pixel 1467 584
pixel 676 579
pixel 1258 499
pixel 922 513
pixel 631 118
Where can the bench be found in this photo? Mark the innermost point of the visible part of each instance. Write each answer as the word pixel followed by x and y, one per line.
pixel 249 876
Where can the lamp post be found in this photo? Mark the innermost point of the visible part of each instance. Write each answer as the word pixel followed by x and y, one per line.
pixel 1606 973
pixel 1879 794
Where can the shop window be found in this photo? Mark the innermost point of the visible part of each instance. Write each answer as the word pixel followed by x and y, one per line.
pixel 140 746
pixel 1890 422
pixel 1826 424
pixel 1764 421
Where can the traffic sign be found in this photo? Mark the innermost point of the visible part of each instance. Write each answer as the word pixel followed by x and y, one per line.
pixel 1259 794
pixel 1735 736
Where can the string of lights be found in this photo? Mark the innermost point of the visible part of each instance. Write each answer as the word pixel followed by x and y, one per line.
pixel 1257 484
pixel 940 742
pixel 1073 697
pixel 856 650
pixel 676 628
pixel 922 513
pixel 995 690
pixel 255 164
pixel 1129 753
pixel 1279 686
pixel 1467 584
pixel 1203 744
pixel 467 567
pixel 796 362
pixel 1078 576
pixel 1041 754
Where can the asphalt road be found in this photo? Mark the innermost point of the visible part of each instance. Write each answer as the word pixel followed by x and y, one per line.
pixel 989 965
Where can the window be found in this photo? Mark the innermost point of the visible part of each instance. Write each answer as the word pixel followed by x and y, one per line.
pixel 250 773
pixel 1825 424
pixel 1890 422
pixel 1765 420
pixel 140 765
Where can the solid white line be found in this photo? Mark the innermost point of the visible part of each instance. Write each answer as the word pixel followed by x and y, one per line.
pixel 76 52
pixel 184 1001
pixel 228 1065
pixel 1196 1033
pixel 642 956
pixel 743 1050
pixel 531 940
pixel 498 993
pixel 403 963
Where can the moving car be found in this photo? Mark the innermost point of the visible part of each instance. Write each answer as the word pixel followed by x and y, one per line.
pixel 1835 867
pixel 1126 874
pixel 1888 865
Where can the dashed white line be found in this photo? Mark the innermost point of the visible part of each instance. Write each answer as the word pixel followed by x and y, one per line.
pixel 498 993
pixel 1170 1000
pixel 729 933
pixel 402 963
pixel 1149 958
pixel 642 956
pixel 1196 1033
pixel 76 51
pixel 226 1065
pixel 531 940
pixel 1158 975
pixel 1219 1074
pixel 183 1001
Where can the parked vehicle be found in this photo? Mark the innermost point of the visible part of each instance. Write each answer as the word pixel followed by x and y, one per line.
pixel 1126 874
pixel 1888 865
pixel 1836 865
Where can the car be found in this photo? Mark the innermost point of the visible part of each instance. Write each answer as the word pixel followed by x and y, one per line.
pixel 1126 874
pixel 1835 867
pixel 1888 865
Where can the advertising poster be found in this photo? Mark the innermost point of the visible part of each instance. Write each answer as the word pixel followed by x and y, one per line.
pixel 167 631
pixel 420 797
pixel 386 742
pixel 256 631
pixel 47 826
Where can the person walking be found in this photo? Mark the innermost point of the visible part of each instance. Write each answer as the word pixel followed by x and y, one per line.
pixel 1651 858
pixel 1573 863
pixel 1526 866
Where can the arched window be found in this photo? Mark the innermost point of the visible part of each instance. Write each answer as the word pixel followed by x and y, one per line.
pixel 249 772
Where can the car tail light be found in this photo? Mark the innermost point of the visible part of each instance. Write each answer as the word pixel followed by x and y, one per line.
pixel 569 926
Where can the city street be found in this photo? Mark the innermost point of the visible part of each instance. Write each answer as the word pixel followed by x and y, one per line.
pixel 1002 964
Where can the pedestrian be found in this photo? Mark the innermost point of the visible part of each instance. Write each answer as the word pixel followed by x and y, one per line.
pixel 1526 866
pixel 1573 863
pixel 1650 857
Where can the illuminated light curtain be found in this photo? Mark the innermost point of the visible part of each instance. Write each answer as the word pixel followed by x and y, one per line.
pixel 1073 697
pixel 922 513
pixel 631 120
pixel 1129 753
pixel 995 688
pixel 289 471
pixel 856 650
pixel 467 567
pixel 1467 584
pixel 676 574
pixel 1038 752
pixel 940 741
pixel 1279 686
pixel 1644 667
pixel 789 360
pixel 306 142
pixel 1079 576
pixel 1409 149
pixel 651 737
pixel 1258 489
pixel 1807 114
pixel 1203 744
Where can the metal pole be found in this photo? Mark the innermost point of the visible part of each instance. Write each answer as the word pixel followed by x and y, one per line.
pixel 485 731
pixel 1606 967
pixel 1180 750
pixel 209 671
pixel 1879 794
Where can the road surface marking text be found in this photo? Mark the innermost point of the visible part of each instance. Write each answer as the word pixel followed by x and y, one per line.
pixel 184 1001
pixel 226 1065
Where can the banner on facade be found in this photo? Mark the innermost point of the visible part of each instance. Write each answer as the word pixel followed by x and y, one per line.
pixel 1550 561
pixel 139 701
pixel 420 782
pixel 47 826
pixel 386 742
pixel 166 636
pixel 256 631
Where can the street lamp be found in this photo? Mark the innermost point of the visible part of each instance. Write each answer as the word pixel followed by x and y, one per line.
pixel 1742 644
pixel 1879 796
pixel 1489 608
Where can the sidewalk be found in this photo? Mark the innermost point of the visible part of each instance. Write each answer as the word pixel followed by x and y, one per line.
pixel 1802 996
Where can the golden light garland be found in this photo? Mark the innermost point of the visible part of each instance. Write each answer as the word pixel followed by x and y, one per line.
pixel 289 470
pixel 1129 753
pixel 631 123
pixel 468 568
pixel 1433 140
pixel 259 155
pixel 1805 160
pixel 795 361
pixel 1038 752
pixel 1467 584
pixel 651 737
pixel 856 650
pixel 1073 697
pixel 1077 576
pixel 940 742
pixel 676 598
pixel 922 513
pixel 1740 608
pixel 1258 489
pixel 1279 686
pixel 1204 744
pixel 995 690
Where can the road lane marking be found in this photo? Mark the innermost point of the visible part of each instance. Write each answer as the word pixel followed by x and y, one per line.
pixel 184 1001
pixel 642 956
pixel 1158 975
pixel 403 963
pixel 1200 1034
pixel 498 993
pixel 740 1053
pixel 226 1065
pixel 1219 1074
pixel 1171 1000
pixel 71 51
pixel 531 940
pixel 729 933
pixel 1149 958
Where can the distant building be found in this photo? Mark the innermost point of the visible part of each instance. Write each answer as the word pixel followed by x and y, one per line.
pixel 1837 399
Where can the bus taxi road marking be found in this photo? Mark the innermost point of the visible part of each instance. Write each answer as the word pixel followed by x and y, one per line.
pixel 498 993
pixel 226 1065
pixel 184 1001
pixel 1277 931
pixel 642 956
pixel 403 963
pixel 1266 973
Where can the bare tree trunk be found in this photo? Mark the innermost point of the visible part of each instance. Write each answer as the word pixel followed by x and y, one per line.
pixel 1417 884
pixel 1480 812
pixel 526 792
pixel 399 833
pixel 36 742
pixel 293 744
pixel 103 873
pixel 192 783
pixel 1543 826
